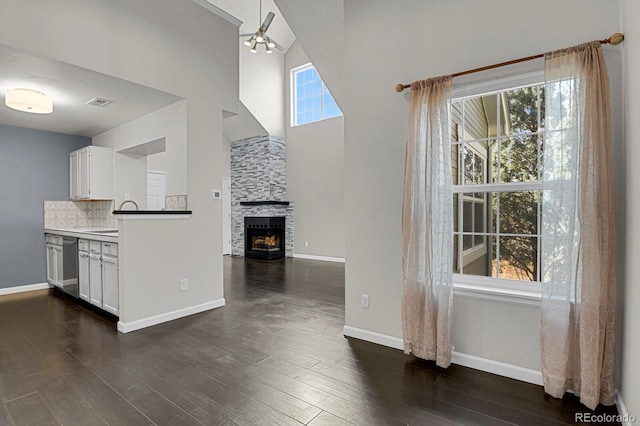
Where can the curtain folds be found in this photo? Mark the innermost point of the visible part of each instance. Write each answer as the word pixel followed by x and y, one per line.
pixel 427 212
pixel 578 256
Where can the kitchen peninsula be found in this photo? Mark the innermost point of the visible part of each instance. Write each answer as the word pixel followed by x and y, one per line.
pixel 131 263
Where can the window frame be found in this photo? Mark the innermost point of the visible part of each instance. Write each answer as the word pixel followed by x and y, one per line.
pixel 294 96
pixel 489 288
pixel 476 251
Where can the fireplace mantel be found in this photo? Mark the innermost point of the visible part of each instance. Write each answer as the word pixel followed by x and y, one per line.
pixel 264 203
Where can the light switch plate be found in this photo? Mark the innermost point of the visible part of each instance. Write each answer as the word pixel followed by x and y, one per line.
pixel 215 194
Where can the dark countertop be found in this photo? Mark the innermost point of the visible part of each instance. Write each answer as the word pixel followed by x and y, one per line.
pixel 160 212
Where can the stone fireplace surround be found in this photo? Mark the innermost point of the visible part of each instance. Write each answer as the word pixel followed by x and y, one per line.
pixel 258 174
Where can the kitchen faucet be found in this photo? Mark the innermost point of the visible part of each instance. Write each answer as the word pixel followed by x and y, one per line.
pixel 128 201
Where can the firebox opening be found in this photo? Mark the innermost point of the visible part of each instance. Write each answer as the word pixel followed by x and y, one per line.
pixel 264 237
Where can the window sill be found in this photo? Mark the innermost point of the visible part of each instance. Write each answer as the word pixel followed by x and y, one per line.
pixel 530 298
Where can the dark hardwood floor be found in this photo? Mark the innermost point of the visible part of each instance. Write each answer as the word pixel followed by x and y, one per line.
pixel 275 355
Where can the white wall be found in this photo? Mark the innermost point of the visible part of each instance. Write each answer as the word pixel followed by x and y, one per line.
pixel 194 57
pixel 630 385
pixel 130 173
pixel 308 20
pixel 315 176
pixel 262 86
pixel 375 136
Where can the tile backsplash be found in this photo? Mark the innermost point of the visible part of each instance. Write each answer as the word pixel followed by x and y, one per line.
pixel 175 202
pixel 79 214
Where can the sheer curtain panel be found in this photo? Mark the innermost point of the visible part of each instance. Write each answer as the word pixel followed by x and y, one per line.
pixel 427 234
pixel 578 256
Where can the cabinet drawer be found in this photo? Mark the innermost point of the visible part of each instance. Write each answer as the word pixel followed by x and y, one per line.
pixel 83 245
pixel 54 239
pixel 110 249
pixel 95 246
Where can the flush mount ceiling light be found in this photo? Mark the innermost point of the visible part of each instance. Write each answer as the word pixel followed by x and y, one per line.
pixel 260 36
pixel 28 100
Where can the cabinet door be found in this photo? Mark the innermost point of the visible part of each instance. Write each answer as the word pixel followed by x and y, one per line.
pixel 95 279
pixel 110 284
pixel 84 174
pixel 51 265
pixel 73 175
pixel 57 254
pixel 83 275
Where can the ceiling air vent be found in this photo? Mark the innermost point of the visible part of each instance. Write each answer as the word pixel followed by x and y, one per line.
pixel 99 102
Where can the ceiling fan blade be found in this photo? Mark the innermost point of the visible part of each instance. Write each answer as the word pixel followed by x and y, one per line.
pixel 267 21
pixel 247 35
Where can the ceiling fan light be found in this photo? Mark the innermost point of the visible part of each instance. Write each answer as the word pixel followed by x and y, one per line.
pixel 28 100
pixel 269 49
pixel 270 43
pixel 253 49
pixel 259 37
pixel 248 41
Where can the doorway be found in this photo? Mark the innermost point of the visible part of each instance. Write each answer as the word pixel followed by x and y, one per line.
pixel 156 190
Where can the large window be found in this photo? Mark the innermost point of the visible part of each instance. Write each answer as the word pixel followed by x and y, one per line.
pixel 496 148
pixel 311 100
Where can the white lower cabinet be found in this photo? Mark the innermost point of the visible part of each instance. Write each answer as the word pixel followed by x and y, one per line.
pixel 95 279
pixel 98 274
pixel 110 284
pixel 54 265
pixel 83 275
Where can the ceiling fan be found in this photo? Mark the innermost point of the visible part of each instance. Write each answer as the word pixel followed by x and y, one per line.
pixel 260 36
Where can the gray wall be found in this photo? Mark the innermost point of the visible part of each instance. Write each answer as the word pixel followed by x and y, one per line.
pixel 34 166
pixel 315 176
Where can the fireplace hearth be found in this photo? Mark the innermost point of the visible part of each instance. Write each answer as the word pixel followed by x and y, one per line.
pixel 264 237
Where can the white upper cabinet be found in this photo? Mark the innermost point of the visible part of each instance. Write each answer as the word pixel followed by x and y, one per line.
pixel 91 173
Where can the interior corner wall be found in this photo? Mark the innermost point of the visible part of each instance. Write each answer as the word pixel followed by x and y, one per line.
pixel 375 136
pixel 179 48
pixel 262 87
pixel 226 157
pixel 315 176
pixel 34 167
pixel 130 172
pixel 630 385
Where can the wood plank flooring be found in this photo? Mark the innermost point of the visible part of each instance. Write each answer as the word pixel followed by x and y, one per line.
pixel 275 355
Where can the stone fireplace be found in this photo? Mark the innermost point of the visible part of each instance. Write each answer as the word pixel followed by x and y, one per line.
pixel 258 191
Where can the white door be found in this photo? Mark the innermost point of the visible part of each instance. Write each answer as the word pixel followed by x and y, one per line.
pixel 95 279
pixel 83 275
pixel 84 176
pixel 226 215
pixel 73 175
pixel 57 255
pixel 110 295
pixel 51 264
pixel 156 190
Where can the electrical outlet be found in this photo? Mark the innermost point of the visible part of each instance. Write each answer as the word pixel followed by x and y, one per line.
pixel 365 301
pixel 306 243
pixel 184 284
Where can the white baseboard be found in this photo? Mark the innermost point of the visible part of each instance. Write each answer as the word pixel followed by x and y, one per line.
pixel 126 327
pixel 471 361
pixel 625 418
pixel 496 367
pixel 373 337
pixel 24 288
pixel 322 258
